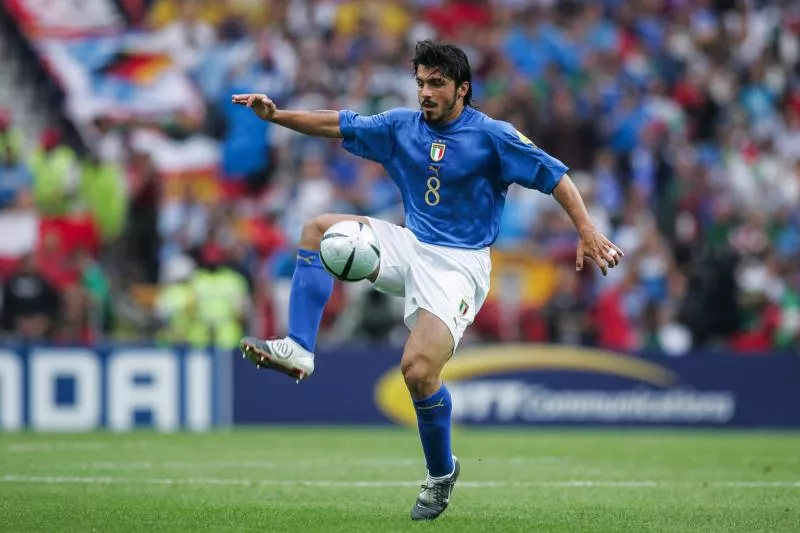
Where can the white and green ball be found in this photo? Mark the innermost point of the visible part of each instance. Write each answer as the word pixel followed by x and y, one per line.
pixel 350 251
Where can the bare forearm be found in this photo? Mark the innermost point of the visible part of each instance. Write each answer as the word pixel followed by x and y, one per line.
pixel 570 199
pixel 316 123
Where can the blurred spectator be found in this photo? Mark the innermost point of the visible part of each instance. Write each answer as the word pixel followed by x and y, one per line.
pixel 567 136
pixel 11 139
pixel 143 216
pixel 111 141
pixel 104 193
pixel 187 36
pixel 74 322
pixel 175 306
pixel 15 179
pixel 611 319
pixel 30 303
pixel 566 312
pixel 53 260
pixel 221 301
pixel 95 285
pixel 183 223
pixel 56 174
pixel 355 18
pixel 378 318
pixel 711 308
pixel 311 195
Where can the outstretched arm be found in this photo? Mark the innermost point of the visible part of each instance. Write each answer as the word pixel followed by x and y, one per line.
pixel 316 123
pixel 593 244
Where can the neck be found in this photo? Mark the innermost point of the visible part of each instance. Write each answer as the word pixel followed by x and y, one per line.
pixel 451 117
pixel 455 113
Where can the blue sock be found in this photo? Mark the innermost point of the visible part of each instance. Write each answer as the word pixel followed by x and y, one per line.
pixel 311 288
pixel 433 420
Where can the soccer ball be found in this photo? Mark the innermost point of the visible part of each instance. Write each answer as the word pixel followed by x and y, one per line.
pixel 350 250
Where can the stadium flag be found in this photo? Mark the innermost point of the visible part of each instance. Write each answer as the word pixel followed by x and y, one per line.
pixel 105 69
pixel 137 67
pixel 114 76
pixel 42 19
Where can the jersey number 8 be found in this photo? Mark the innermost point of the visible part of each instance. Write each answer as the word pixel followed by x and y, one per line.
pixel 432 194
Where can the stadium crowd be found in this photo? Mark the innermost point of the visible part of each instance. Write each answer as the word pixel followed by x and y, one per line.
pixel 680 121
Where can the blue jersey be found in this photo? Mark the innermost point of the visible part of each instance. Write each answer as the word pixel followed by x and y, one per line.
pixel 453 178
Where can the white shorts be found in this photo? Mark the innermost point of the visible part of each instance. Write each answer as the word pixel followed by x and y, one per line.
pixel 451 283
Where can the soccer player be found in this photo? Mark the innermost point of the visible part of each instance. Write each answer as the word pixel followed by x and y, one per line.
pixel 453 165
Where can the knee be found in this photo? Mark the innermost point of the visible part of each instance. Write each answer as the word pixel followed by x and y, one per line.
pixel 312 231
pixel 420 374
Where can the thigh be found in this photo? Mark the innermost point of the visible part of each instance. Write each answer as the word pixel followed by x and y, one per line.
pixel 329 219
pixel 324 222
pixel 399 248
pixel 430 338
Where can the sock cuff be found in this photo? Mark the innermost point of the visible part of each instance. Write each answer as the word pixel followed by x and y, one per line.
pixel 439 398
pixel 308 258
pixel 452 471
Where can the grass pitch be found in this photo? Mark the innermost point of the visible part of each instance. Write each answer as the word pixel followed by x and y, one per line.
pixel 354 480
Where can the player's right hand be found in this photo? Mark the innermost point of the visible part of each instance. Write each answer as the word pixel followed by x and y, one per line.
pixel 594 245
pixel 259 103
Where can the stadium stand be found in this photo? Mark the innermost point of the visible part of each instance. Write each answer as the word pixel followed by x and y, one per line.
pixel 154 209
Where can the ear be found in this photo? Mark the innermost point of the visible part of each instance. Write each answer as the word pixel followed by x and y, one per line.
pixel 462 89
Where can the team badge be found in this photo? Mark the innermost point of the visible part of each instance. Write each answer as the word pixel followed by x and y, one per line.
pixel 463 308
pixel 524 139
pixel 437 151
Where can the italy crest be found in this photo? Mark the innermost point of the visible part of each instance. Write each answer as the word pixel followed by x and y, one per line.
pixel 437 151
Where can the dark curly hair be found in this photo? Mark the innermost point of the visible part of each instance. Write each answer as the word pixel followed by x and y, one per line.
pixel 450 59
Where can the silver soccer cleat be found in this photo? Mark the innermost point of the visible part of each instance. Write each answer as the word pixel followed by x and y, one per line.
pixel 283 355
pixel 435 495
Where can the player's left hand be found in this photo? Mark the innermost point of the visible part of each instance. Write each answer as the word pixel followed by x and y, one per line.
pixel 594 245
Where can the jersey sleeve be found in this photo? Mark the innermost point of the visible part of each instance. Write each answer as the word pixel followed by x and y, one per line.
pixel 524 163
pixel 370 137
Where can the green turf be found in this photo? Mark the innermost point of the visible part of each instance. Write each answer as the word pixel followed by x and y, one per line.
pixel 272 480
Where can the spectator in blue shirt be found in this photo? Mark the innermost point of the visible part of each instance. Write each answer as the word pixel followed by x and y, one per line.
pixel 15 180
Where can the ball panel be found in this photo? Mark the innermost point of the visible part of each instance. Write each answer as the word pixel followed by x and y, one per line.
pixel 348 264
pixel 350 251
pixel 327 267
